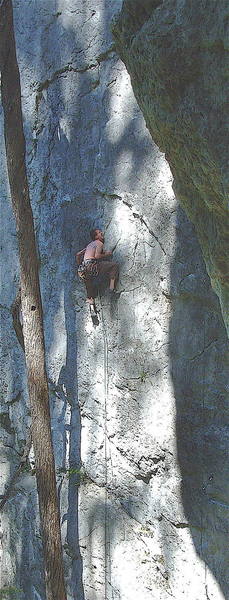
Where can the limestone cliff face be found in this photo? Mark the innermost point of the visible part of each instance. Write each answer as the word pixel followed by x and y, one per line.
pixel 139 403
pixel 177 56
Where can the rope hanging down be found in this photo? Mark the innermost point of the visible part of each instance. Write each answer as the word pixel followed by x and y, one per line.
pixel 106 385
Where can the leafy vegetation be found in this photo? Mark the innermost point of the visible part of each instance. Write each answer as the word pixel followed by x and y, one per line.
pixel 10 592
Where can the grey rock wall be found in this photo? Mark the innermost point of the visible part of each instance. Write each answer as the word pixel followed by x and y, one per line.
pixel 177 55
pixel 139 403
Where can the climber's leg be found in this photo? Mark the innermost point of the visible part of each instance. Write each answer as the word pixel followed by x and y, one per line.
pixel 90 289
pixel 112 283
pixel 111 269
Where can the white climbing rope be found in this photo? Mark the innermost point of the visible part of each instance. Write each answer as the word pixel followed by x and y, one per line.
pixel 106 451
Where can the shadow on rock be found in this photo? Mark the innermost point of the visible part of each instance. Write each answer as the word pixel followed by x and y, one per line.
pixel 199 358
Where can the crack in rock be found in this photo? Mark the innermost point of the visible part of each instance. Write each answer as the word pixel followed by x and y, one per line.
pixel 206 590
pixel 204 350
pixel 70 69
pixel 135 214
pixel 178 525
pixel 142 219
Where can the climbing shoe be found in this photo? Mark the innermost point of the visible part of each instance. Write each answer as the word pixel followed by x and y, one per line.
pixel 92 310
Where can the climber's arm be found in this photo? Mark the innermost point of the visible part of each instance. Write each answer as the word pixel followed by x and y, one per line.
pixel 79 256
pixel 100 252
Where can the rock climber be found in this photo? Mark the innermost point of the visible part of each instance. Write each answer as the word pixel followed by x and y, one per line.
pixel 91 264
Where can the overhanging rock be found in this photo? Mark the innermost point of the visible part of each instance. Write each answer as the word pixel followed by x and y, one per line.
pixel 176 54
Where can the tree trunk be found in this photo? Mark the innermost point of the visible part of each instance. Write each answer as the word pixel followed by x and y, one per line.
pixel 31 308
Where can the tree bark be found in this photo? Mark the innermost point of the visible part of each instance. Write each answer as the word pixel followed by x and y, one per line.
pixel 31 308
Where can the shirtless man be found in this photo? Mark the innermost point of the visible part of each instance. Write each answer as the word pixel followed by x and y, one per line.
pixel 94 264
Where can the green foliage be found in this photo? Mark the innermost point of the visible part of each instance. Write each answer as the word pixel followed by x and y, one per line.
pixel 9 592
pixel 81 475
pixel 143 375
pixel 27 468
pixel 74 472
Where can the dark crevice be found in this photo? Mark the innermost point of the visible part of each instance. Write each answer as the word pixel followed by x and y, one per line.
pixel 137 14
pixel 178 525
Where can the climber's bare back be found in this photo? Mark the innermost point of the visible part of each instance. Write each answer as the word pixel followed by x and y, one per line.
pixel 95 248
pixel 92 249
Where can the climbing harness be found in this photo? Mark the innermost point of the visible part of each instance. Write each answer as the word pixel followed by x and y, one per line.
pixel 88 267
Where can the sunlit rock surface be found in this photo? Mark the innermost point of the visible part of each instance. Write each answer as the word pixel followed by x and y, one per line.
pixel 177 56
pixel 142 397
